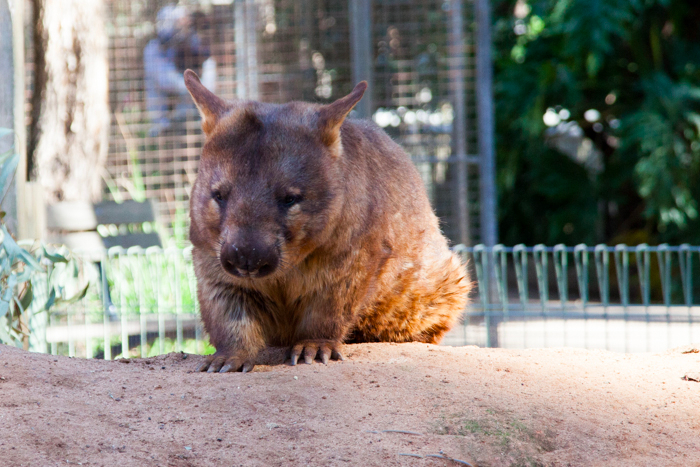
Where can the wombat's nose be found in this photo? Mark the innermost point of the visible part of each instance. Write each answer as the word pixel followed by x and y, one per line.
pixel 248 261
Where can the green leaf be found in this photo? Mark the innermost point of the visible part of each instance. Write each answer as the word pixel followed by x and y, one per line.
pixel 24 276
pixel 7 294
pixel 51 300
pixel 27 298
pixel 6 337
pixel 4 308
pixel 75 298
pixel 8 170
pixel 14 251
pixel 54 257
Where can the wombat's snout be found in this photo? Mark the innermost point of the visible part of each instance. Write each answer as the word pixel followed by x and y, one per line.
pixel 250 260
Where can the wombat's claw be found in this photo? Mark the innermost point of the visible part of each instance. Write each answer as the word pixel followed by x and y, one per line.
pixel 224 363
pixel 326 349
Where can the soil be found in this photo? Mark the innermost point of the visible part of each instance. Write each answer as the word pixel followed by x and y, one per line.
pixel 385 405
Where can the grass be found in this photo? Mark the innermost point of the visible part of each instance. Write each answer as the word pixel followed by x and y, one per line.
pixel 498 434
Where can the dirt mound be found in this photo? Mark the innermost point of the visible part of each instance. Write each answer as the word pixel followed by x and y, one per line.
pixel 387 404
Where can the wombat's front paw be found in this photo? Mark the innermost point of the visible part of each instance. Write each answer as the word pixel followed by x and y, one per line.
pixel 325 348
pixel 227 361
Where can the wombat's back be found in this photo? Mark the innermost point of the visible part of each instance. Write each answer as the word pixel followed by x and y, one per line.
pixel 421 287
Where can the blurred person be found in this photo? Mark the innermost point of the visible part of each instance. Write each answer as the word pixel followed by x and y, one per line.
pixel 176 48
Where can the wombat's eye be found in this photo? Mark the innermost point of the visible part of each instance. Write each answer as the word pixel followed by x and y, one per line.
pixel 291 200
pixel 218 197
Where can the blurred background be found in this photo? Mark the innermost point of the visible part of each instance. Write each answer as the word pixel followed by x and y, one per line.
pixel 418 57
pixel 540 128
pixel 597 120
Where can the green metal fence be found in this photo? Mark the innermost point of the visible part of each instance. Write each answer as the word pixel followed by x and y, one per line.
pixel 140 302
pixel 623 298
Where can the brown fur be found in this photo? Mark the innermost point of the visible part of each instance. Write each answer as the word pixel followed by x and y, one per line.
pixel 338 213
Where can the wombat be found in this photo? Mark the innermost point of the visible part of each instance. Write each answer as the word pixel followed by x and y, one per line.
pixel 310 230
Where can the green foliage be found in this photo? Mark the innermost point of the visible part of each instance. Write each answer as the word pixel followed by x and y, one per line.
pixel 22 270
pixel 636 62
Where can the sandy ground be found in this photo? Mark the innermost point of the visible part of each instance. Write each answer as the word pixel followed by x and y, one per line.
pixel 387 404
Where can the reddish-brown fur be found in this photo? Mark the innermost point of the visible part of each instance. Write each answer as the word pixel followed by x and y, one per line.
pixel 310 230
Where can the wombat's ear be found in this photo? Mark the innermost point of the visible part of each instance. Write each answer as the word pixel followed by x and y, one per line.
pixel 331 116
pixel 210 106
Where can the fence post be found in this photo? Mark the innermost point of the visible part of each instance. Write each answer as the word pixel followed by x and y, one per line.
pixel 500 264
pixel 685 260
pixel 457 67
pixel 245 22
pixel 541 269
pixel 484 104
pixel 561 269
pixel 361 51
pixel 483 275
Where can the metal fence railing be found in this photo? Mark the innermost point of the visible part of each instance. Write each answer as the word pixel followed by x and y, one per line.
pixel 622 298
pixel 140 302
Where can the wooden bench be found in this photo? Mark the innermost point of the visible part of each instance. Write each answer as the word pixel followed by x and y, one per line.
pixel 74 224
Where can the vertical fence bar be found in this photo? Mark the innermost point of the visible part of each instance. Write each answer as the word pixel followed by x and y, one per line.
pixel 54 345
pixel 122 260
pixel 685 260
pixel 602 262
pixel 135 256
pixel 642 257
pixel 622 262
pixel 500 263
pixel 539 255
pixel 481 264
pixel 145 309
pixel 138 273
pixel 187 253
pixel 520 262
pixel 561 270
pixel 105 268
pixel 581 262
pixel 86 312
pixel 663 255
pixel 602 265
pixel 541 264
pixel 177 258
pixel 622 271
pixel 154 258
pixel 520 265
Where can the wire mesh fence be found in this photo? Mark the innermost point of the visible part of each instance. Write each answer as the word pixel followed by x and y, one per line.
pixel 418 56
pixel 629 299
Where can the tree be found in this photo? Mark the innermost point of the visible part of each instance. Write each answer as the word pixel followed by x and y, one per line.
pixel 622 73
pixel 70 112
